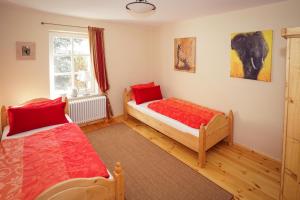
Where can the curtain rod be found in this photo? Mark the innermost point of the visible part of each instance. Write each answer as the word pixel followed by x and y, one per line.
pixel 47 23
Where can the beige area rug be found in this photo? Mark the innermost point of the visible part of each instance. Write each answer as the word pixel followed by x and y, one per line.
pixel 150 172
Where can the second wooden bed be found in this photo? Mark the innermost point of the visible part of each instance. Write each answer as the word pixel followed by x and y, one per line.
pixel 219 128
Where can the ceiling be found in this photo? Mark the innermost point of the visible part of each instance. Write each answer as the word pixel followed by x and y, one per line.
pixel 167 10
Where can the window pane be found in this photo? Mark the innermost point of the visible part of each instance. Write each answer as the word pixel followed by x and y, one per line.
pixel 81 46
pixel 62 64
pixel 79 84
pixel 62 83
pixel 83 80
pixel 70 64
pixel 62 45
pixel 81 63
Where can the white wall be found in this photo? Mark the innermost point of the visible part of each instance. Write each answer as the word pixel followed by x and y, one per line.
pixel 128 52
pixel 258 106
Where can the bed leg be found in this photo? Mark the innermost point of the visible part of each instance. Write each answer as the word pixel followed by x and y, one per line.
pixel 119 181
pixel 202 144
pixel 125 100
pixel 229 138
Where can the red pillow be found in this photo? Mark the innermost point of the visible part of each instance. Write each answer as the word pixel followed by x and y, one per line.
pixel 26 118
pixel 143 85
pixel 143 95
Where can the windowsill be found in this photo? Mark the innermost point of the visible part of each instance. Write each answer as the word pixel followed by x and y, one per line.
pixel 83 97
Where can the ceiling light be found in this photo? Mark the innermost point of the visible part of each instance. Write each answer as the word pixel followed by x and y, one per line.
pixel 140 6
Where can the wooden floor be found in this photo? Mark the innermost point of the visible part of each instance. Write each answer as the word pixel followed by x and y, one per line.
pixel 244 173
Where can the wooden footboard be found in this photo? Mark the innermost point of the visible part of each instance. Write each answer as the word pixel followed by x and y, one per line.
pixel 97 188
pixel 219 128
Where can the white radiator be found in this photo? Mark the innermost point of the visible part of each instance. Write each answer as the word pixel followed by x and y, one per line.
pixel 87 109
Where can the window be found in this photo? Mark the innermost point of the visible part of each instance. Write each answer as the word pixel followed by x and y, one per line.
pixel 70 65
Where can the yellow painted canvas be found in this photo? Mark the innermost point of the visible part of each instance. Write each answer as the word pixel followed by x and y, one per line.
pixel 185 54
pixel 251 55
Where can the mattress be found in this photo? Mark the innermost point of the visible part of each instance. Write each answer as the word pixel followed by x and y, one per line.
pixel 167 120
pixel 27 133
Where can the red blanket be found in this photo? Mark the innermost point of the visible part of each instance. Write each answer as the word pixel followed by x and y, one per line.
pixel 187 113
pixel 32 164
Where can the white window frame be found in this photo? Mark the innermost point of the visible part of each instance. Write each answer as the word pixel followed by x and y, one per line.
pixel 53 94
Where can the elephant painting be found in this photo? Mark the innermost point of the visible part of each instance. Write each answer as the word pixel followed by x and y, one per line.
pixel 252 50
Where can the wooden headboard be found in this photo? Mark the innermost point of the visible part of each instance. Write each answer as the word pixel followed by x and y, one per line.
pixel 127 94
pixel 4 119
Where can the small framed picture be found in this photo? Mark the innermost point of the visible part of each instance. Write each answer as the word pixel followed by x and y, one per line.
pixel 25 50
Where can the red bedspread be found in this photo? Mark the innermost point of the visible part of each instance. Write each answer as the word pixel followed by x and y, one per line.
pixel 187 113
pixel 32 164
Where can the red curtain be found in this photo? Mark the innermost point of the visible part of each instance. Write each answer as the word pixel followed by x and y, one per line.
pixel 97 50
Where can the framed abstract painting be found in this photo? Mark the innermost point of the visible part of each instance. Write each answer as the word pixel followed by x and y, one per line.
pixel 185 54
pixel 251 55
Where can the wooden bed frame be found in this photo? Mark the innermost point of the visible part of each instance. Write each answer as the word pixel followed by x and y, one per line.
pixel 219 128
pixel 96 188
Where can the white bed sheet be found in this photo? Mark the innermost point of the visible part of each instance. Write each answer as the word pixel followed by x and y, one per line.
pixel 167 120
pixel 31 132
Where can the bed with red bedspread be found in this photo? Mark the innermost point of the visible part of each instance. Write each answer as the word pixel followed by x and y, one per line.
pixel 45 156
pixel 29 165
pixel 197 127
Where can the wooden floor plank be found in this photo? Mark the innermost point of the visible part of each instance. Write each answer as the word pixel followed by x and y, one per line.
pixel 245 173
pixel 250 164
pixel 260 159
pixel 254 179
pixel 242 158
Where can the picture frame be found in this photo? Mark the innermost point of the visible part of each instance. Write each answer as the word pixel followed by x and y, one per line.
pixel 251 55
pixel 25 50
pixel 185 54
